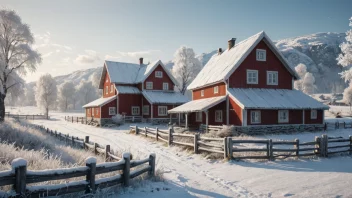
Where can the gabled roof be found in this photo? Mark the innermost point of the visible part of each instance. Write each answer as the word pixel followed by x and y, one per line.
pixel 220 67
pixel 198 105
pixel 164 97
pixel 100 102
pixel 273 99
pixel 127 90
pixel 130 73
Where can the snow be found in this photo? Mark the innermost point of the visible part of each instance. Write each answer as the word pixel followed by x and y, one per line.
pixel 56 186
pixel 164 97
pixel 274 99
pixel 198 105
pixel 190 175
pixel 107 179
pixel 111 164
pixel 91 160
pixel 219 67
pixel 6 173
pixel 18 162
pixel 127 90
pixel 57 171
pixel 126 155
pixel 100 102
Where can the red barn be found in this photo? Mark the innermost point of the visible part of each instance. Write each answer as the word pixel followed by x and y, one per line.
pixel 249 84
pixel 136 91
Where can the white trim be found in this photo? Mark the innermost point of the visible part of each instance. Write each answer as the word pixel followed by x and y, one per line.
pixel 93 108
pixel 221 113
pixel 202 93
pixel 145 112
pixel 244 117
pixel 227 110
pixel 162 107
pixel 279 117
pixel 135 107
pixel 312 115
pixel 112 113
pixel 216 89
pixel 88 110
pixel 260 117
pixel 273 73
pixel 106 90
pixel 111 88
pixel 167 85
pixel 199 116
pixel 257 54
pixel 248 71
pixel 148 85
pixel 303 116
pixel 158 72
pixel 323 117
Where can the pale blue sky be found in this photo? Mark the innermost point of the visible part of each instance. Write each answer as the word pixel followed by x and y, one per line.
pixel 77 34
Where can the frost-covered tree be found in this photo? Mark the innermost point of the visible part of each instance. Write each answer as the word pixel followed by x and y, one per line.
pixel 95 79
pixel 186 67
pixel 347 96
pixel 17 56
pixel 345 58
pixel 301 70
pixel 29 96
pixel 46 93
pixel 86 92
pixel 66 95
pixel 306 83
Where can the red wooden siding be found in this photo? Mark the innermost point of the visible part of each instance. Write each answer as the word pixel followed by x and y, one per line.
pixel 105 109
pixel 235 113
pixel 239 78
pixel 126 101
pixel 308 120
pixel 211 119
pixel 108 84
pixel 270 117
pixel 96 112
pixel 209 91
pixel 158 82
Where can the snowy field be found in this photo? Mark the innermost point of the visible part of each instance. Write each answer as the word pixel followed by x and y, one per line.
pixel 189 175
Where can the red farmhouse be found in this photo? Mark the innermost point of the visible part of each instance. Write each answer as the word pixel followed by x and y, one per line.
pixel 137 91
pixel 249 84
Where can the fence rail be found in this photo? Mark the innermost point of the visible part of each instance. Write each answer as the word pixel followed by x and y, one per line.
pixel 26 116
pixel 19 176
pixel 250 149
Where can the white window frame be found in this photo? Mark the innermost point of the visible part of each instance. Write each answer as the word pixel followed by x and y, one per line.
pixel 280 120
pixel 88 110
pixel 149 85
pixel 161 113
pixel 216 89
pixel 199 116
pixel 273 74
pixel 165 86
pixel 202 93
pixel 136 108
pixel 218 118
pixel 111 88
pixel 260 117
pixel 158 74
pixel 97 111
pixel 249 71
pixel 93 111
pixel 259 52
pixel 106 90
pixel 144 109
pixel 313 116
pixel 112 110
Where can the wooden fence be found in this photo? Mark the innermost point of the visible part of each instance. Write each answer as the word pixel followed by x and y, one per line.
pixel 19 177
pixel 250 149
pixel 26 117
pixel 337 125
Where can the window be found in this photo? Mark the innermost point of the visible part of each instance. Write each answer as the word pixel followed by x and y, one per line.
pixel 216 89
pixel 135 110
pixel 97 111
pixel 252 76
pixel 272 78
pixel 149 85
pixel 92 111
pixel 111 88
pixel 88 111
pixel 218 116
pixel 283 116
pixel 202 93
pixel 158 74
pixel 261 55
pixel 146 110
pixel 165 86
pixel 162 110
pixel 313 114
pixel 199 116
pixel 112 111
pixel 106 89
pixel 255 117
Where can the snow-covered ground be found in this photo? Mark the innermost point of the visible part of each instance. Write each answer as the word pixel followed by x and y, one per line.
pixel 189 175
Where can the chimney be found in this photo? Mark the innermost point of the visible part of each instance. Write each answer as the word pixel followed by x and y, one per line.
pixel 141 61
pixel 219 51
pixel 231 43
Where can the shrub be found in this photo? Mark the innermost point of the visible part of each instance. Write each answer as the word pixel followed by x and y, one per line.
pixel 117 119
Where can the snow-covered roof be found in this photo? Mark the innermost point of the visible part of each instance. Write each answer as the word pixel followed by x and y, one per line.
pixel 99 102
pixel 198 105
pixel 163 97
pixel 220 67
pixel 127 90
pixel 273 99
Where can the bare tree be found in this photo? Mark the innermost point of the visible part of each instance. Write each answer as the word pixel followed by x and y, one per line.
pixel 46 93
pixel 17 56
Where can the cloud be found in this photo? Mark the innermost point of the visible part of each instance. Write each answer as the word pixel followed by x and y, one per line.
pixel 45 41
pixel 90 57
pixel 137 53
pixel 47 54
pixel 132 56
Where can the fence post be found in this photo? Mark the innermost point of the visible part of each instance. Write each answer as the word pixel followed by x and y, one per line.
pixel 151 172
pixel 65 118
pixel 146 132
pixel 126 169
pixel 297 147
pixel 91 163
pixel 196 138
pixel 86 141
pixel 33 116
pixel 137 130
pixel 325 126
pixel 230 147
pixel 269 147
pixel 95 148
pixel 157 134
pixel 350 144
pixel 317 146
pixel 47 130
pixel 73 141
pixel 169 137
pixel 55 133
pixel 20 166
pixel 325 145
pixel 226 150
pixel 72 119
pixel 107 151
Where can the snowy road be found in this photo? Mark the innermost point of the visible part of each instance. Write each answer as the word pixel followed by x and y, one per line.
pixel 189 175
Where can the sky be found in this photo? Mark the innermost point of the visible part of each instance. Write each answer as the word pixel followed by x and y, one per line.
pixel 81 34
